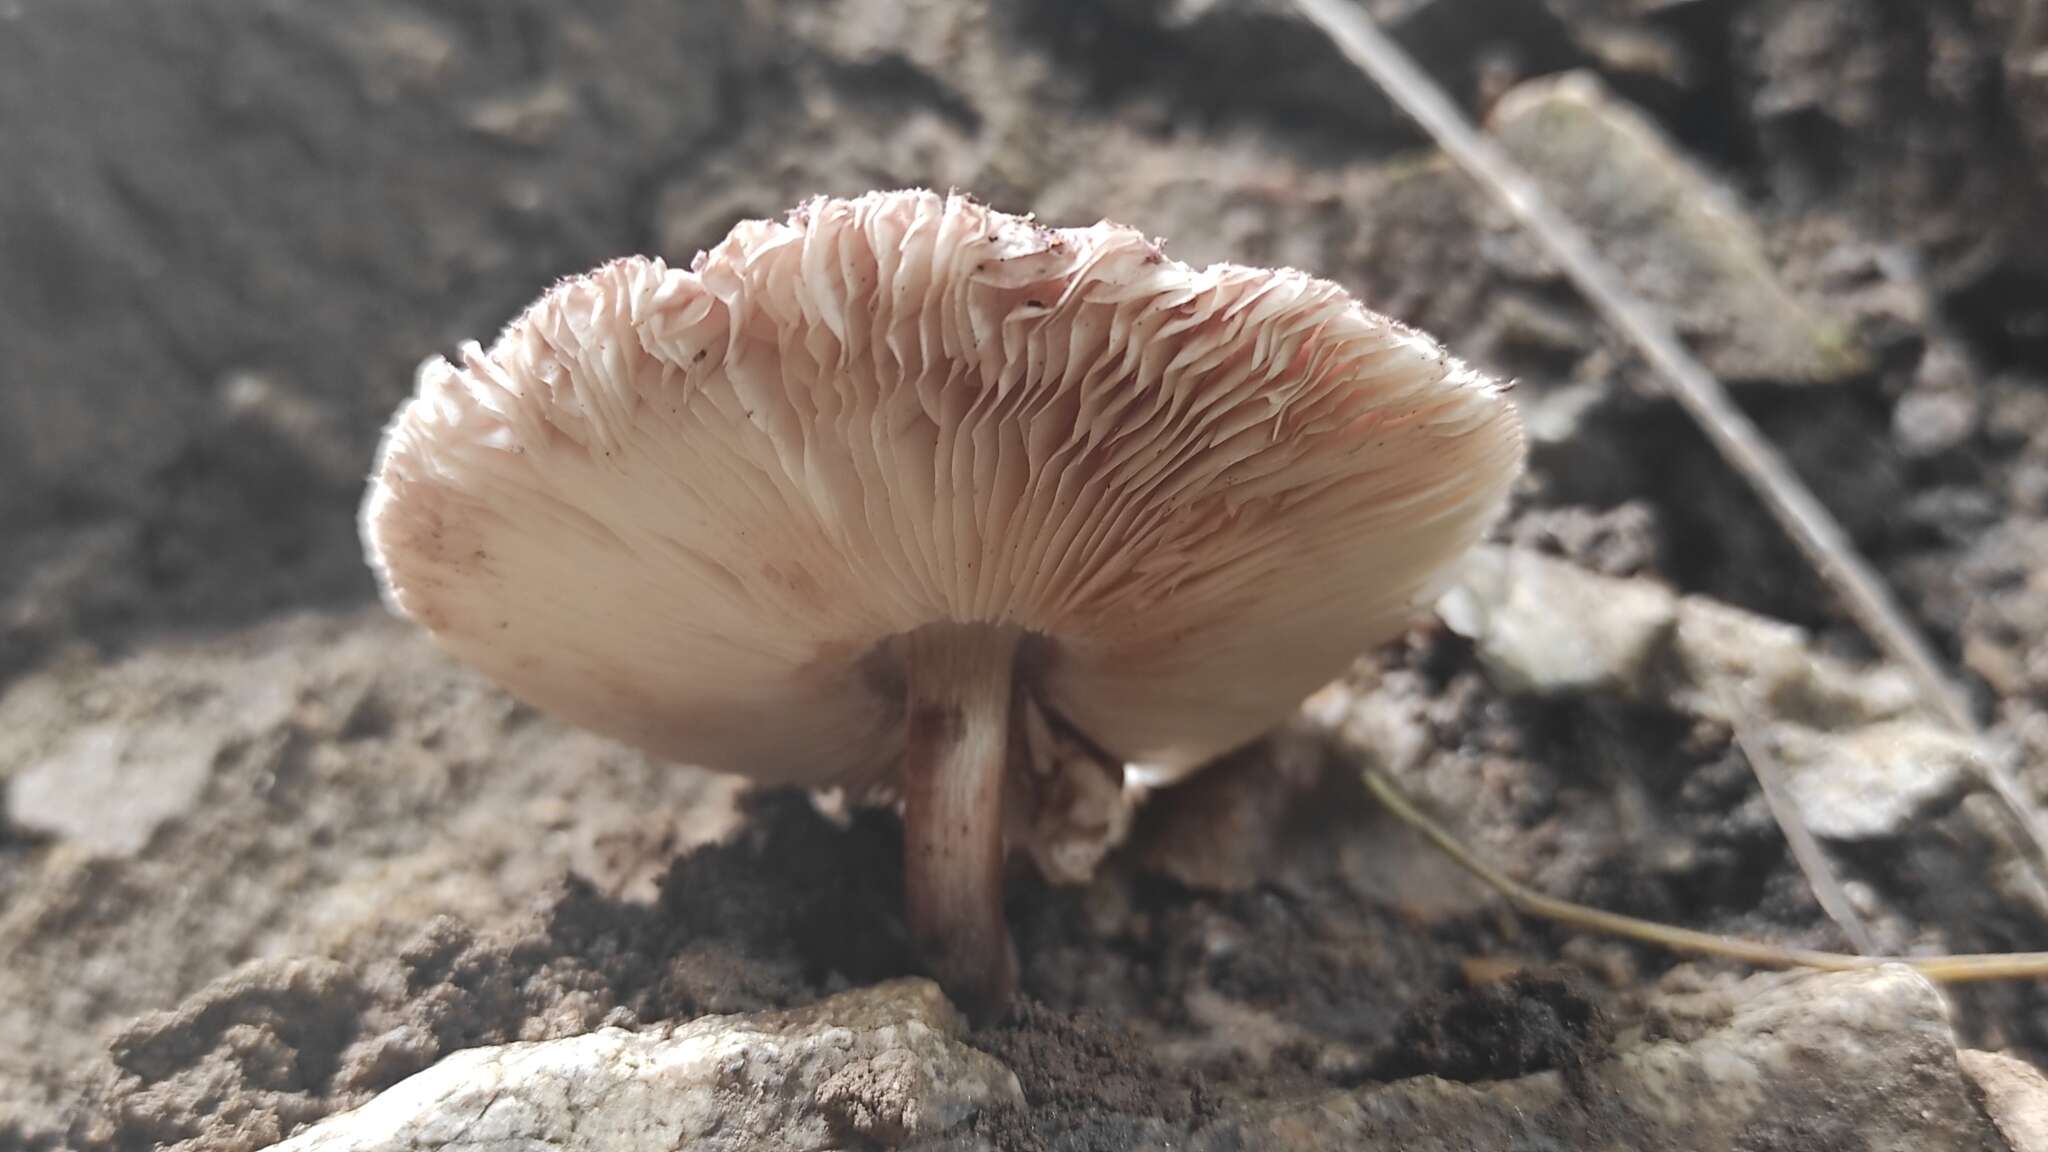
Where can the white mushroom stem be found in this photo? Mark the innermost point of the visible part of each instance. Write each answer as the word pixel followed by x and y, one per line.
pixel 959 736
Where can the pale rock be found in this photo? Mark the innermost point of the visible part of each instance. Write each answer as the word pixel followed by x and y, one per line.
pixel 1556 417
pixel 1680 240
pixel 107 784
pixel 1726 660
pixel 1067 807
pixel 1927 422
pixel 1872 783
pixel 2015 1095
pixel 1855 1060
pixel 881 1065
pixel 1366 719
pixel 1717 648
pixel 1546 627
pixel 531 118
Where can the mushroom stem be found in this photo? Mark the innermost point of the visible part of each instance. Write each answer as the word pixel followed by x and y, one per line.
pixel 959 736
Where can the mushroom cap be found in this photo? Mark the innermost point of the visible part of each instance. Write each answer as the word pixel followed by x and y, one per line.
pixel 693 509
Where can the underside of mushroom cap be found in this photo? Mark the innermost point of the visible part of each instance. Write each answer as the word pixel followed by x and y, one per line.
pixel 696 508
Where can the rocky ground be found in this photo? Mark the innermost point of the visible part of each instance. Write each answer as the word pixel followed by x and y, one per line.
pixel 264 854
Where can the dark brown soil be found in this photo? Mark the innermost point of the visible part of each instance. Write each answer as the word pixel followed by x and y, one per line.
pixel 239 226
pixel 1525 1024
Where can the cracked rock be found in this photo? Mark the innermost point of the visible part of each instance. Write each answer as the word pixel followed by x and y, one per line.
pixel 882 1065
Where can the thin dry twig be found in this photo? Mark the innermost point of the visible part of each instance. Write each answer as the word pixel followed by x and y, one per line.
pixel 1809 524
pixel 1955 969
pixel 1806 851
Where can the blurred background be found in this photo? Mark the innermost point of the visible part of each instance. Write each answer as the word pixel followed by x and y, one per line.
pixel 229 230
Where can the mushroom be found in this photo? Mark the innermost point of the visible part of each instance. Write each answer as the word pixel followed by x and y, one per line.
pixel 878 495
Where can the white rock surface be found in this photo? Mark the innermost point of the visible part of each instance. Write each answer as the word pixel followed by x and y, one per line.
pixel 881 1065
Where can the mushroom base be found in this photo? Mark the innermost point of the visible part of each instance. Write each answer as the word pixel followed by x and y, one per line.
pixel 959 681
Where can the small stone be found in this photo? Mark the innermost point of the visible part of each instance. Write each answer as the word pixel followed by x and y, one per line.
pixel 1726 660
pixel 1067 807
pixel 1928 423
pixel 2027 487
pixel 2016 412
pixel 531 119
pixel 1681 241
pixel 1873 782
pixel 1546 627
pixel 2018 26
pixel 2015 1095
pixel 90 788
pixel 108 783
pixel 1556 416
pixel 1957 513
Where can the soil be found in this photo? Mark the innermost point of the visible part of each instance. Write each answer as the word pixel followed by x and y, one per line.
pixel 240 226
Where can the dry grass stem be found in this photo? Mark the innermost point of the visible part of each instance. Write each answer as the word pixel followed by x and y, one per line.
pixel 1957 969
